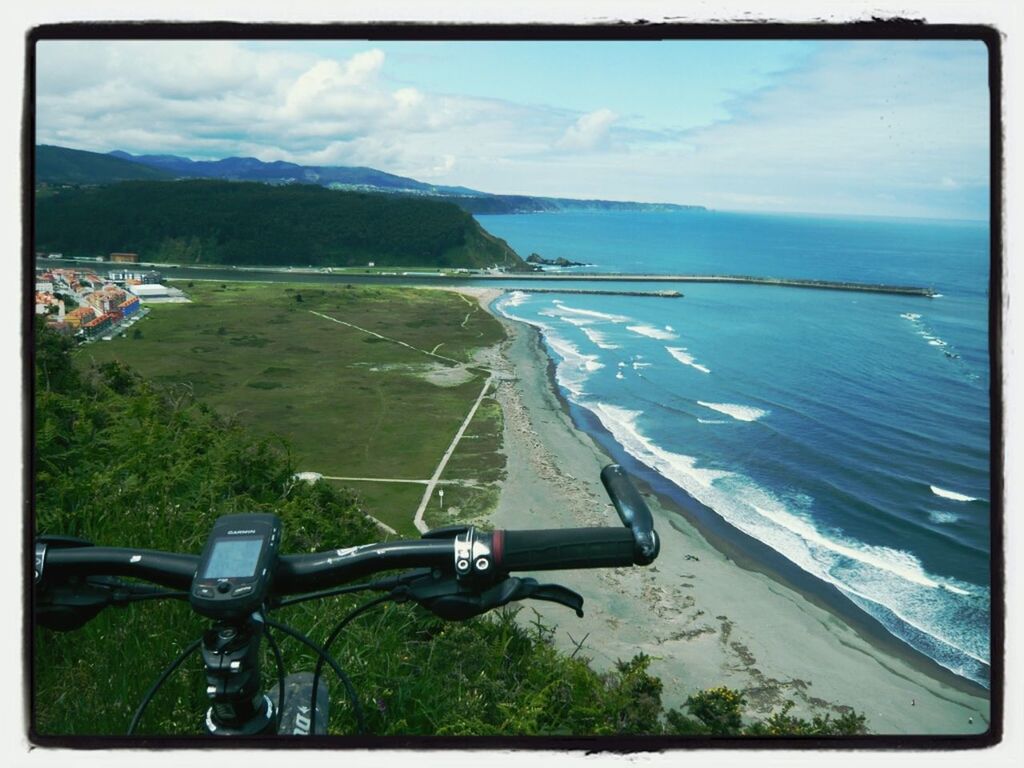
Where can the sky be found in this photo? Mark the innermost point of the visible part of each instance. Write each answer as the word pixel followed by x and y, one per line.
pixel 882 128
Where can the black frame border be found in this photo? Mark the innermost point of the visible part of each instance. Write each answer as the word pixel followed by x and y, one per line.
pixel 639 30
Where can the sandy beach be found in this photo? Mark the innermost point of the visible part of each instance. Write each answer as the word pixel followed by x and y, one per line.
pixel 705 619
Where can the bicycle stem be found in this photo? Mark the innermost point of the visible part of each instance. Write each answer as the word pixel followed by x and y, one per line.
pixel 231 656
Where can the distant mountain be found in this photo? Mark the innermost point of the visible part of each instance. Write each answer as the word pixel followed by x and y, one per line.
pixel 372 180
pixel 59 165
pixel 251 169
pixel 245 223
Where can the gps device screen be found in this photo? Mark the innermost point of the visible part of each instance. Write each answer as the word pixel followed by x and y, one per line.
pixel 233 558
pixel 237 566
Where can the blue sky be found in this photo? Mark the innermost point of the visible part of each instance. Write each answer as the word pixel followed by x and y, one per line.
pixel 894 128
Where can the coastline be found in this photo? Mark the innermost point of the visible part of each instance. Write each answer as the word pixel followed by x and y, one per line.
pixel 705 612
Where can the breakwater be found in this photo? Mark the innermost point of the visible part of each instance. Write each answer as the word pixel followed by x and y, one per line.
pixel 357 275
pixel 829 285
pixel 603 292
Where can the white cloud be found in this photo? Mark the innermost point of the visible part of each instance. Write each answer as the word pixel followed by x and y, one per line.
pixel 589 132
pixel 863 127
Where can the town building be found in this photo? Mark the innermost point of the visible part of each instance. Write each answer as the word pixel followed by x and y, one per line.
pixel 124 258
pixel 151 291
pixel 76 318
pixel 106 299
pixel 134 277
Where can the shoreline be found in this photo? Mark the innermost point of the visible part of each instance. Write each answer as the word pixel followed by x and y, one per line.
pixel 708 612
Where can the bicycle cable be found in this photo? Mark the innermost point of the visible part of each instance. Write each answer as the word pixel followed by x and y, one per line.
pixel 337 630
pixel 189 650
pixel 323 593
pixel 360 719
pixel 280 673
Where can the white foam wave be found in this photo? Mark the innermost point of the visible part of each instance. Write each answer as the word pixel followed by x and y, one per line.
pixel 515 298
pixel 952 495
pixel 871 575
pixel 651 332
pixel 738 412
pixel 637 366
pixel 912 316
pixel 680 469
pixel 710 421
pixel 942 518
pixel 599 338
pixel 554 312
pixel 680 354
pixel 592 313
pixel 575 368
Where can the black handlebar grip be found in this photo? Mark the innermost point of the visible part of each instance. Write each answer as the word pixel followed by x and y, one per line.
pixel 562 549
pixel 633 512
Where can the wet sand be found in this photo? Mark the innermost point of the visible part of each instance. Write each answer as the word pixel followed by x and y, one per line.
pixel 705 619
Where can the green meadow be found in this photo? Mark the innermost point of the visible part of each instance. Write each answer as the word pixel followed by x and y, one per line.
pixel 349 403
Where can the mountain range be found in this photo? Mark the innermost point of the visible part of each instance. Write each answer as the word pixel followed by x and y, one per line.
pixel 61 165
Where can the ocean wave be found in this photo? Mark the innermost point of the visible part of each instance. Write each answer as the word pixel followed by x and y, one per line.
pixel 942 518
pixel 927 334
pixel 890 584
pixel 952 495
pixel 598 338
pixel 680 354
pixel 592 313
pixel 577 321
pixel 575 367
pixel 710 421
pixel 877 576
pixel 651 332
pixel 738 412
pixel 622 424
pixel 515 298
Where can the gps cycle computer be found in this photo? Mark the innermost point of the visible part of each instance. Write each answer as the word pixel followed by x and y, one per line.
pixel 236 566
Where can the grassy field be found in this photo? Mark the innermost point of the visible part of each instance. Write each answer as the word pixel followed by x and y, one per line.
pixel 350 403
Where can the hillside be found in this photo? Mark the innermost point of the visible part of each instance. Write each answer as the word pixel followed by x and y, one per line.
pixel 59 165
pixel 372 180
pixel 220 222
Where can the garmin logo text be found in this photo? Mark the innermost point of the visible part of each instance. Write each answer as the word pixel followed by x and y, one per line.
pixel 235 533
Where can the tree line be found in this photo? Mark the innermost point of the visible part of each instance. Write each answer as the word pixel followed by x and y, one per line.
pixel 221 222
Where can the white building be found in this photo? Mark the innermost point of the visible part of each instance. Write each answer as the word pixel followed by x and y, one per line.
pixel 152 291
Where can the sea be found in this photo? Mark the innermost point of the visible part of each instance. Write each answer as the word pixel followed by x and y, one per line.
pixel 848 432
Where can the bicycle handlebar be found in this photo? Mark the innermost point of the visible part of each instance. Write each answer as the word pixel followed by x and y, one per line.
pixel 475 558
pixel 538 550
pixel 562 549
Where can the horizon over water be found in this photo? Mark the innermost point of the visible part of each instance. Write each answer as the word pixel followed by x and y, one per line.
pixel 847 431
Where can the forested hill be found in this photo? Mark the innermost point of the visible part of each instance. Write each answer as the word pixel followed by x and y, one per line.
pixel 59 165
pixel 219 222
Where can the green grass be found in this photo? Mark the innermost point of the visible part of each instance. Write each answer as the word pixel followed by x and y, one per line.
pixel 347 402
pixel 392 503
pixel 480 461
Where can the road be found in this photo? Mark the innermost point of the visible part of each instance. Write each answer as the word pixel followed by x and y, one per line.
pixel 435 480
pixel 421 526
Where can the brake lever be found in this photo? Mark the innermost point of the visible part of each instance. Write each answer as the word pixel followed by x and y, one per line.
pixel 556 593
pixel 450 599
